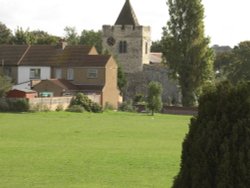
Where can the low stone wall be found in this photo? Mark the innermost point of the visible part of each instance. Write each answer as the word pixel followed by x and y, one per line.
pixel 180 110
pixel 52 103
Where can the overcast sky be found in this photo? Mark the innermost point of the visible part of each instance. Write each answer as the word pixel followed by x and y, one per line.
pixel 226 21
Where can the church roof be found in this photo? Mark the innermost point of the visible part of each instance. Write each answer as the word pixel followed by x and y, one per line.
pixel 127 16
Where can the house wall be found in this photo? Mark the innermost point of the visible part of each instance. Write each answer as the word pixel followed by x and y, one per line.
pixel 24 73
pixel 80 75
pixel 111 92
pixel 20 94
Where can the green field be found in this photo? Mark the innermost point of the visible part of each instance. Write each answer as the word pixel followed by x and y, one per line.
pixel 112 149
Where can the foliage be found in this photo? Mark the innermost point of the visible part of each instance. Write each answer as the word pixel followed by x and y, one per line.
pixel 76 108
pixel 121 78
pixel 186 50
pixel 71 35
pixel 22 36
pixel 139 98
pixel 5 34
pixel 5 85
pixel 239 68
pixel 216 149
pixel 156 46
pixel 108 106
pixel 82 100
pixel 14 105
pixel 111 149
pixel 126 106
pixel 222 63
pixel 154 97
pixel 39 108
pixel 92 38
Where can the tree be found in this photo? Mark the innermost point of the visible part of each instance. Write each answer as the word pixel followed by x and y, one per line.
pixel 21 36
pixel 156 46
pixel 5 85
pixel 216 150
pixel 42 37
pixel 121 78
pixel 185 48
pixel 154 97
pixel 5 34
pixel 71 35
pixel 92 38
pixel 239 68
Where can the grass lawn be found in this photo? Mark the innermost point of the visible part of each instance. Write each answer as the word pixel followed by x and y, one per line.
pixel 113 149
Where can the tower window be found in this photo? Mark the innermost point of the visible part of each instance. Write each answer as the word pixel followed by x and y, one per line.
pixel 123 47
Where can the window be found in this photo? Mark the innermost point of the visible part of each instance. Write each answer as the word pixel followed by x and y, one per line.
pixel 92 73
pixel 70 74
pixel 123 47
pixel 35 73
pixel 58 73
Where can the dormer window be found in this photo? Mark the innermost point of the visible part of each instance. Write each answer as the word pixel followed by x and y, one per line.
pixel 123 47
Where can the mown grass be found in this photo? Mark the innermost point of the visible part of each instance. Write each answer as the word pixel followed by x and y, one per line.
pixel 112 149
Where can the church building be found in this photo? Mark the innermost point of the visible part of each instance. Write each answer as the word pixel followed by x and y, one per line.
pixel 128 41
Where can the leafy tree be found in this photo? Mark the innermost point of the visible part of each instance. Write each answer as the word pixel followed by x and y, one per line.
pixel 154 97
pixel 239 69
pixel 5 34
pixel 185 48
pixel 156 46
pixel 71 35
pixel 22 37
pixel 216 150
pixel 121 78
pixel 222 63
pixel 92 38
pixel 42 37
pixel 5 85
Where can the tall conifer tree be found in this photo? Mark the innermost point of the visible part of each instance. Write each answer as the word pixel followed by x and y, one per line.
pixel 186 49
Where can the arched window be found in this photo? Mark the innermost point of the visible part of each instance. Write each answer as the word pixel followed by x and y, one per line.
pixel 123 47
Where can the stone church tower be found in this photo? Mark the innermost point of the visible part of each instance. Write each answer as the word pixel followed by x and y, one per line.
pixel 128 41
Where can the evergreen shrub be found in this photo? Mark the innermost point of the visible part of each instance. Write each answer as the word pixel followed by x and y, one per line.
pixel 216 151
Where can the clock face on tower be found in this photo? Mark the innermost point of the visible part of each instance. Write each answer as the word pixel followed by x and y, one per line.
pixel 111 41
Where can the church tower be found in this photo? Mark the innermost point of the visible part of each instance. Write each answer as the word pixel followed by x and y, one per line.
pixel 127 40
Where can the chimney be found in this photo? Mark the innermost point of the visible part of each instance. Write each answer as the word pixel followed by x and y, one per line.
pixel 62 44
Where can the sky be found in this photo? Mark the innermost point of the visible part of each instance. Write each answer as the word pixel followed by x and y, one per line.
pixel 226 21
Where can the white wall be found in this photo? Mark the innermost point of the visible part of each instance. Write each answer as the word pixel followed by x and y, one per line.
pixel 24 73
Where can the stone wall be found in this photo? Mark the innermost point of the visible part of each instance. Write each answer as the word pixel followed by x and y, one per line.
pixel 138 83
pixel 137 38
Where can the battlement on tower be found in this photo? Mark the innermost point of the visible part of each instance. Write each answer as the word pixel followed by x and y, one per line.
pixel 125 28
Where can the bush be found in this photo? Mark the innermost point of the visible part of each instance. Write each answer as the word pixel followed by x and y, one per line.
pixel 216 149
pixel 108 106
pixel 82 100
pixel 59 108
pixel 126 106
pixel 75 108
pixel 14 105
pixel 4 106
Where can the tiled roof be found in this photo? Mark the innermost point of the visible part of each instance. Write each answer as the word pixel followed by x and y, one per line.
pixel 67 85
pixel 48 55
pixel 127 16
pixel 63 84
pixel 11 54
